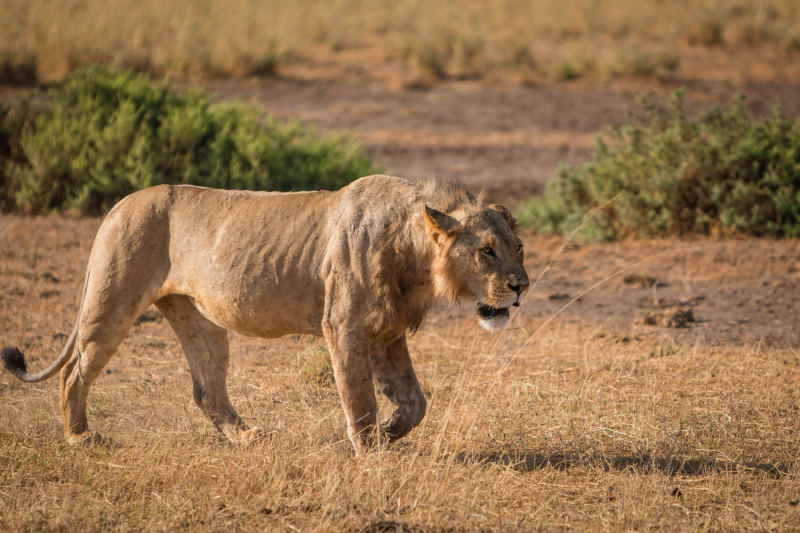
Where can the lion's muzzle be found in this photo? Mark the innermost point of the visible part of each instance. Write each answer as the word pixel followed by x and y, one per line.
pixel 487 312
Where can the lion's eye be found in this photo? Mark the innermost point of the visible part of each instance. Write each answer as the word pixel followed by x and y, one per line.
pixel 519 248
pixel 487 251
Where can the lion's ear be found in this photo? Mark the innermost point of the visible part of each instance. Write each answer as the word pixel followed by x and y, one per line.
pixel 503 210
pixel 438 224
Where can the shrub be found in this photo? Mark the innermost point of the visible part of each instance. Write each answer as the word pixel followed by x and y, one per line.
pixel 17 67
pixel 105 134
pixel 717 174
pixel 11 123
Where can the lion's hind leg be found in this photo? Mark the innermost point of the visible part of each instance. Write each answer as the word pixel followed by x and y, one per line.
pixel 77 377
pixel 206 347
pixel 99 335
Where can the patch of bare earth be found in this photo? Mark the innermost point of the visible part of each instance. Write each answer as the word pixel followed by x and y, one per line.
pixel 592 421
pixel 506 138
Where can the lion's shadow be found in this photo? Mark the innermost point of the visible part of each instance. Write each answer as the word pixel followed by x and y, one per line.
pixel 525 461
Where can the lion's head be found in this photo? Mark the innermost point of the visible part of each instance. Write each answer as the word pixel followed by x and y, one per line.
pixel 479 256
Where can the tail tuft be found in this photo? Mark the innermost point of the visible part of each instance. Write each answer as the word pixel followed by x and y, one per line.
pixel 13 360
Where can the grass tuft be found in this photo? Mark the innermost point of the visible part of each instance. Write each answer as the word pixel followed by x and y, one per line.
pixel 433 55
pixel 17 68
pixel 566 71
pixel 520 57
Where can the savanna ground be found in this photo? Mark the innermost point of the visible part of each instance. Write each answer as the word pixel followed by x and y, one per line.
pixel 592 420
pixel 606 406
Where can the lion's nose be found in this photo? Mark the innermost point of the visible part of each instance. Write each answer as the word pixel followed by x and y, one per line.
pixel 519 288
pixel 515 288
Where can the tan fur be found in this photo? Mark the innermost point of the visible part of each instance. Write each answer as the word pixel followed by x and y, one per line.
pixel 360 266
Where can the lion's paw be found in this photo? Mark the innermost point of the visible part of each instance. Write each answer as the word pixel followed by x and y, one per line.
pixel 86 438
pixel 252 436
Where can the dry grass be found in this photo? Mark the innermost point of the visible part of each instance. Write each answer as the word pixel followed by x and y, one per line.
pixel 549 39
pixel 574 428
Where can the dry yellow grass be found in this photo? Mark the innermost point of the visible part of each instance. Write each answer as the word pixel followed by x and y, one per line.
pixel 573 428
pixel 553 39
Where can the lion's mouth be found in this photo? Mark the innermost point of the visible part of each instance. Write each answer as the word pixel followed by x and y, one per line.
pixel 487 312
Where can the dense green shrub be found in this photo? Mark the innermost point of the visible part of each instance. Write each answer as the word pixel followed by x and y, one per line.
pixel 717 174
pixel 105 134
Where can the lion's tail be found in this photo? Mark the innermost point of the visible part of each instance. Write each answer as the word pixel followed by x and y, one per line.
pixel 14 360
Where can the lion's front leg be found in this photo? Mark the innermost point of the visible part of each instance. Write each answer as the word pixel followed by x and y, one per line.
pixel 361 366
pixel 353 375
pixel 394 377
pixel 348 342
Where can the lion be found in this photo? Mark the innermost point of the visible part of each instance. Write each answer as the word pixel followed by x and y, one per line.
pixel 360 266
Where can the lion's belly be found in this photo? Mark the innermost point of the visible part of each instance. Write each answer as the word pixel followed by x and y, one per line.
pixel 262 319
pixel 260 308
pixel 250 261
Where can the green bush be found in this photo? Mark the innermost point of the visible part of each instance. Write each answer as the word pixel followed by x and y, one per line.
pixel 105 134
pixel 718 174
